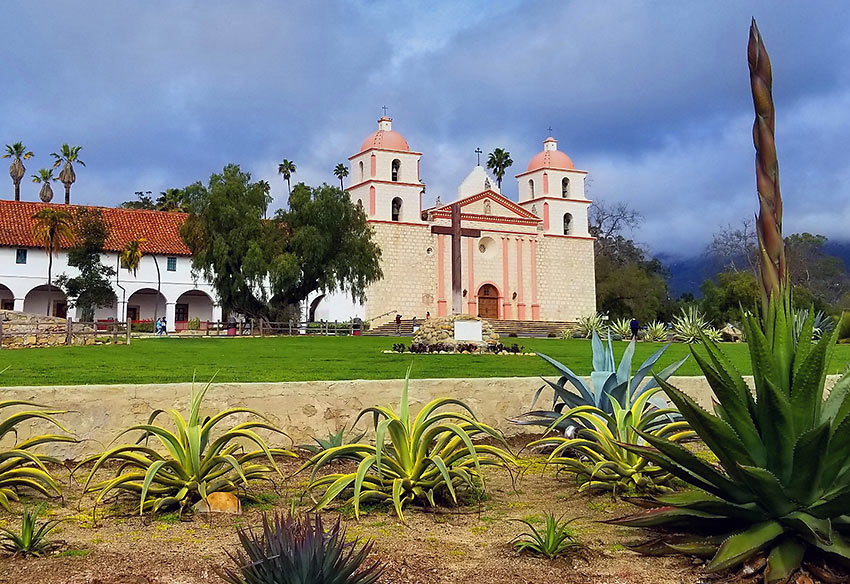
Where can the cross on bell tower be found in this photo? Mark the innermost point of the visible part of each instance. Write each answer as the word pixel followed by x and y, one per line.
pixel 385 110
pixel 478 151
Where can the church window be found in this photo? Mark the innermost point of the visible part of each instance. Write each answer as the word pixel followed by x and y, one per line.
pixel 568 223
pixel 21 256
pixel 361 171
pixel 171 264
pixel 396 209
pixel 565 188
pixel 531 187
pixel 396 169
pixel 360 203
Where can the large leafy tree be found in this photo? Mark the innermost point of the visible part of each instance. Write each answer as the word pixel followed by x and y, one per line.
pixel 66 158
pixel 728 296
pixel 629 283
pixel 260 267
pixel 286 169
pixel 498 161
pixel 18 153
pixel 91 288
pixel 50 226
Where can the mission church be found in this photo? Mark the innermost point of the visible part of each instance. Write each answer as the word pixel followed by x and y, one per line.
pixel 526 260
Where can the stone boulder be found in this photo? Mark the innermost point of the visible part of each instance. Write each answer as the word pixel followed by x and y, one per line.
pixel 440 330
pixel 731 334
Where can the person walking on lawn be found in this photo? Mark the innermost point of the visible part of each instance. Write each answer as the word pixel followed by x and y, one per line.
pixel 635 326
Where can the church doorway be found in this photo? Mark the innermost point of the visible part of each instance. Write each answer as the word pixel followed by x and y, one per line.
pixel 488 301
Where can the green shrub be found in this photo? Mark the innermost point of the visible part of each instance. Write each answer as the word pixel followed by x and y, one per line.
pixel 193 324
pixel 142 327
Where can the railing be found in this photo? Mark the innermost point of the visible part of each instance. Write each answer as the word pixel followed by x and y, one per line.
pixel 263 328
pixel 67 332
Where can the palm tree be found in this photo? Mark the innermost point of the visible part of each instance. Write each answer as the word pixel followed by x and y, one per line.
pixel 44 177
pixel 50 225
pixel 68 155
pixel 341 171
pixel 171 200
pixel 17 170
pixel 131 255
pixel 499 161
pixel 287 169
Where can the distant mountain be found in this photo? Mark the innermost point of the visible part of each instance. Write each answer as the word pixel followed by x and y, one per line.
pixel 687 274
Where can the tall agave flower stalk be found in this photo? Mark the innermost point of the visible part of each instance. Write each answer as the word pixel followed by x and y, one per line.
pixel 782 488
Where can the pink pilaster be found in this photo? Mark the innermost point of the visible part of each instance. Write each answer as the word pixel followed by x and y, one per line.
pixel 545 183
pixel 520 305
pixel 506 299
pixel 442 308
pixel 546 216
pixel 535 307
pixel 374 165
pixel 472 298
pixel 372 201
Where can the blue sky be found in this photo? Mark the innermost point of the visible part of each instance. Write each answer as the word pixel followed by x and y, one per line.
pixel 652 98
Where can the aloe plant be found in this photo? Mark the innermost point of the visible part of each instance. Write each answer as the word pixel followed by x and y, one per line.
pixel 296 551
pixel 20 467
pixel 691 326
pixel 427 455
pixel 782 489
pixel 656 332
pixel 592 323
pixel 31 538
pixel 194 463
pixel 333 440
pixel 609 384
pixel 622 328
pixel 554 539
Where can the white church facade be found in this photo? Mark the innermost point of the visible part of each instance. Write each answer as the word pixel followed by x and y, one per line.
pixel 533 259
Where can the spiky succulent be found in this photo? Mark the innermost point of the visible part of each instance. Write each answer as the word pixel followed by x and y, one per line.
pixel 334 440
pixel 656 332
pixel 622 328
pixel 20 467
pixel 555 538
pixel 783 486
pixel 609 383
pixel 425 456
pixel 297 551
pixel 194 464
pixel 691 326
pixel 31 538
pixel 587 325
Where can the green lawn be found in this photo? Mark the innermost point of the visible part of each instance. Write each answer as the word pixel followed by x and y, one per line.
pixel 164 360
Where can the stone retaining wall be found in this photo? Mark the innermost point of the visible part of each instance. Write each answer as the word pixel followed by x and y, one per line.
pixel 97 413
pixel 24 329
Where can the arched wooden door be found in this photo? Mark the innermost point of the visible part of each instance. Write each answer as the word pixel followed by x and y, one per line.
pixel 488 301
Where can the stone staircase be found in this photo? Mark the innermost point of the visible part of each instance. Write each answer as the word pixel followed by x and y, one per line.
pixel 505 328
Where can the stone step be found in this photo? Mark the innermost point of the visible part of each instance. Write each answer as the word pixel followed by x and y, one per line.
pixel 505 328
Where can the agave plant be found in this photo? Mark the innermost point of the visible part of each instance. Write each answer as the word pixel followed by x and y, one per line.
pixel 783 487
pixel 20 467
pixel 426 456
pixel 31 539
pixel 622 328
pixel 604 460
pixel 690 327
pixel 609 384
pixel 194 464
pixel 300 552
pixel 554 539
pixel 334 440
pixel 592 323
pixel 656 332
pixel 822 324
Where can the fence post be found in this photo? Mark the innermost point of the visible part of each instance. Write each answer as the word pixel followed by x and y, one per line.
pixel 129 327
pixel 114 325
pixel 262 332
pixel 1 333
pixel 69 325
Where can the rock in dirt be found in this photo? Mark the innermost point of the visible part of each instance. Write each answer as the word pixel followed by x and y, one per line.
pixel 226 503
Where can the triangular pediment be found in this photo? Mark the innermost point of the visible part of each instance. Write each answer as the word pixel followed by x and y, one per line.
pixel 488 205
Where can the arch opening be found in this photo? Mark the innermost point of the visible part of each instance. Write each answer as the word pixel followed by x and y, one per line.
pixel 396 169
pixel 568 223
pixel 565 188
pixel 40 298
pixel 531 187
pixel 488 301
pixel 190 305
pixel 396 209
pixel 145 305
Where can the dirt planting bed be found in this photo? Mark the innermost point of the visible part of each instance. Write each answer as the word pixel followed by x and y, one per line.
pixel 468 544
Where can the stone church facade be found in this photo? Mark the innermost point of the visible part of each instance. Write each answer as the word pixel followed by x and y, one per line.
pixel 532 261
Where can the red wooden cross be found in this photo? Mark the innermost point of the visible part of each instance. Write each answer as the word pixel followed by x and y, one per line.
pixel 457 232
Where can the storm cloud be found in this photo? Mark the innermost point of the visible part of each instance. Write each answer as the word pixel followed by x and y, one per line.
pixel 652 98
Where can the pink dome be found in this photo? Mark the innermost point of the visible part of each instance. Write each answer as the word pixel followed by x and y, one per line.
pixel 550 158
pixel 385 138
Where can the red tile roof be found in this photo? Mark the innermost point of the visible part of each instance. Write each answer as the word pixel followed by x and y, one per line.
pixel 160 229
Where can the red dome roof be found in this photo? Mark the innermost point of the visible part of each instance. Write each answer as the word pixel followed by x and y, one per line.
pixel 550 158
pixel 385 139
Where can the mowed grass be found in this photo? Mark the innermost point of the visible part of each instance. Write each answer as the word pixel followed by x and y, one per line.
pixel 168 360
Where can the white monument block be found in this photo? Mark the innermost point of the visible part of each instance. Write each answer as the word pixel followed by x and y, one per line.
pixel 468 330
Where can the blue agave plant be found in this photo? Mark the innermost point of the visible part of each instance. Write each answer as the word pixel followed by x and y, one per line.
pixel 608 383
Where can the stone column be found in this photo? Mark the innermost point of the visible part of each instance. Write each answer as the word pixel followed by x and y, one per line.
pixel 471 295
pixel 442 304
pixel 216 312
pixel 535 307
pixel 506 287
pixel 520 304
pixel 19 304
